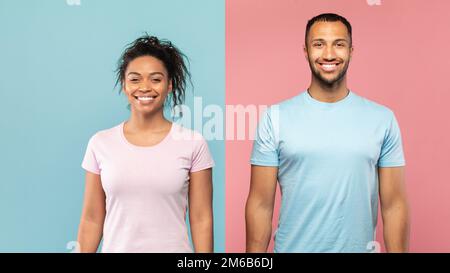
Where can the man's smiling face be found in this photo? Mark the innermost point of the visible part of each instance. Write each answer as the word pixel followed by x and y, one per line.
pixel 328 50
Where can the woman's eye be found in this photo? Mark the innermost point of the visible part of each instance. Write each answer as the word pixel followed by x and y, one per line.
pixel 134 80
pixel 156 80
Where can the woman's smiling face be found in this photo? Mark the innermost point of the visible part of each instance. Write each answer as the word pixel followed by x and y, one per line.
pixel 146 84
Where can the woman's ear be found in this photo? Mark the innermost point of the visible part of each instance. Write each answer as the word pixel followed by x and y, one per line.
pixel 124 88
pixel 170 86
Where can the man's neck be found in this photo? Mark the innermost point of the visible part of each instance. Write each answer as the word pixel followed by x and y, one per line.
pixel 328 93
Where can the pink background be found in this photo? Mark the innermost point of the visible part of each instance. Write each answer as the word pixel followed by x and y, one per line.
pixel 401 60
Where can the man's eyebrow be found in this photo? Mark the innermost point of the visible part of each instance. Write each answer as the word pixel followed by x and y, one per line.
pixel 341 40
pixel 337 40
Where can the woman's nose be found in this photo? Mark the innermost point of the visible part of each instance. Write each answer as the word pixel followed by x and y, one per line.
pixel 146 85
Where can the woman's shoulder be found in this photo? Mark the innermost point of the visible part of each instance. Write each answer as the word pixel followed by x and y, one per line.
pixel 186 134
pixel 106 134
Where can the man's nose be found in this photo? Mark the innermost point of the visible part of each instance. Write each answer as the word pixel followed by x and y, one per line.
pixel 328 53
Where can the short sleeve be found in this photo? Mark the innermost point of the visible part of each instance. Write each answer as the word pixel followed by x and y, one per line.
pixel 201 157
pixel 265 145
pixel 391 154
pixel 90 161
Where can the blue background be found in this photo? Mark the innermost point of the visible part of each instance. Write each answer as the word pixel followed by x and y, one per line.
pixel 57 77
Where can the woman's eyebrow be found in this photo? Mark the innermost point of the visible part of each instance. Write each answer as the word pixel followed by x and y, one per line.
pixel 151 74
pixel 157 73
pixel 134 73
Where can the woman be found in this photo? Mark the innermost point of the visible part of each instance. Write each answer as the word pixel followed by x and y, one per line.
pixel 140 175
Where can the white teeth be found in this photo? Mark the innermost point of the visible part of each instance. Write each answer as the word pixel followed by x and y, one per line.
pixel 329 67
pixel 145 98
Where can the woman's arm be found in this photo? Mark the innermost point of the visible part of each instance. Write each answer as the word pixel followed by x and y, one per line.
pixel 90 231
pixel 200 210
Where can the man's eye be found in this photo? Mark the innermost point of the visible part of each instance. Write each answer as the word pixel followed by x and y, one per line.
pixel 318 44
pixel 340 45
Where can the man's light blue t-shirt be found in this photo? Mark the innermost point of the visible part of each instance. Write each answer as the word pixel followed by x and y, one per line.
pixel 328 155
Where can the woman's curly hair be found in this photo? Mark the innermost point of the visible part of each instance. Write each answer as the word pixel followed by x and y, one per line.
pixel 172 58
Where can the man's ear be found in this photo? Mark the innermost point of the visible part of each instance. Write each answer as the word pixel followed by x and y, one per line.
pixel 351 51
pixel 305 52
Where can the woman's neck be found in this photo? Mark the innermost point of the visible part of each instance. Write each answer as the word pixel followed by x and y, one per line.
pixel 147 123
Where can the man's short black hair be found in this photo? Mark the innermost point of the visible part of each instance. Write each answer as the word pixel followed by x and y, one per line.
pixel 328 17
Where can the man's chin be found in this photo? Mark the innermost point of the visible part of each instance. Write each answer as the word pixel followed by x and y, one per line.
pixel 329 81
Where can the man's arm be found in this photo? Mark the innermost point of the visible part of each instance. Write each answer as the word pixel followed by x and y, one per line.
pixel 259 207
pixel 394 209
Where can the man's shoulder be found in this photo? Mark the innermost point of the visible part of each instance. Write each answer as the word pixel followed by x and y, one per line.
pixel 372 107
pixel 286 104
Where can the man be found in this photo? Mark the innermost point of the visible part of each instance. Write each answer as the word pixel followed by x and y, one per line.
pixel 333 153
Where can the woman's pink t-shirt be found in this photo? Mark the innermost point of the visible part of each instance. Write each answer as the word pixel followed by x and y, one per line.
pixel 146 188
